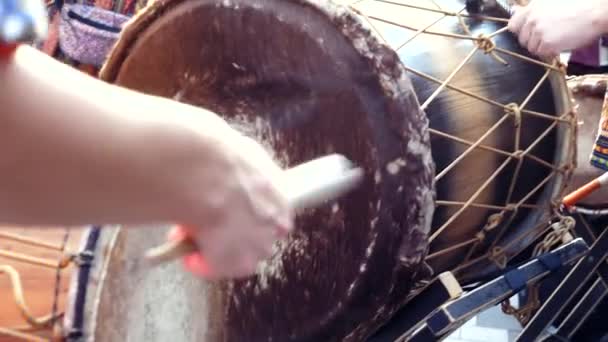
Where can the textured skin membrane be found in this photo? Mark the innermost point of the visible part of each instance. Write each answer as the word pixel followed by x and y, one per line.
pixel 305 78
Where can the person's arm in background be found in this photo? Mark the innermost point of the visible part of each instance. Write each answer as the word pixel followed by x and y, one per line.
pixel 75 150
pixel 549 27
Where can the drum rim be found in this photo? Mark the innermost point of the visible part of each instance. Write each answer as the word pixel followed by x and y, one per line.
pixel 552 192
pixel 565 153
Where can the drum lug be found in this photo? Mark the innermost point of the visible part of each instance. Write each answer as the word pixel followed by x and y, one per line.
pixel 84 258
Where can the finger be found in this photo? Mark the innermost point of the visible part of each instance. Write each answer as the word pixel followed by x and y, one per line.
pixel 282 232
pixel 525 33
pixel 248 263
pixel 195 263
pixel 272 209
pixel 178 232
pixel 534 44
pixel 546 51
pixel 518 18
pixel 223 252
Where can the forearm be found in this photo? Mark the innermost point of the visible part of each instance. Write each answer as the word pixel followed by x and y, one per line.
pixel 74 150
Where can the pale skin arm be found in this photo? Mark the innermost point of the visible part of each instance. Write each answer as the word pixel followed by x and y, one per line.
pixel 549 27
pixel 74 150
pixel 68 141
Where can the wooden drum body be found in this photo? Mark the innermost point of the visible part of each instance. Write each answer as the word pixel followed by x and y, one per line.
pixel 307 78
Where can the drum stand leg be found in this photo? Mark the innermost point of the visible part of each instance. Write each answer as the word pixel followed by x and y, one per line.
pixel 582 310
pixel 569 288
pixel 454 314
pixel 590 300
pixel 442 289
pixel 584 231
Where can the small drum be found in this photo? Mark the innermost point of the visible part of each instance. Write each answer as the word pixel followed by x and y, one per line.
pixel 34 265
pixel 589 94
pixel 370 80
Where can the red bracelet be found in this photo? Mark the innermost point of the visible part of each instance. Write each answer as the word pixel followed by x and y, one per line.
pixel 7 50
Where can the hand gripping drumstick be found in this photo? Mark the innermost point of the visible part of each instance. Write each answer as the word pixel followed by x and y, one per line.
pixel 310 185
pixel 586 190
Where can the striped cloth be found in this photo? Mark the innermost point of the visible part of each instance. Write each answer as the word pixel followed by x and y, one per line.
pixel 599 156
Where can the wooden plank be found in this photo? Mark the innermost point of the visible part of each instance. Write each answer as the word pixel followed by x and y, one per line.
pixel 38 282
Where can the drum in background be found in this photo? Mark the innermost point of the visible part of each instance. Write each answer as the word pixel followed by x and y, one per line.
pixel 502 130
pixel 30 259
pixel 306 79
pixel 588 93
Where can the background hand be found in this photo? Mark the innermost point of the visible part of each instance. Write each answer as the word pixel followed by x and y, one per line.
pixel 549 27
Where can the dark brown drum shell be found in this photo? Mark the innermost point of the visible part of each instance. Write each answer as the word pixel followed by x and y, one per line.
pixel 305 78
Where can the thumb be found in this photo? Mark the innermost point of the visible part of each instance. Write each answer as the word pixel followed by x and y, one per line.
pixel 517 19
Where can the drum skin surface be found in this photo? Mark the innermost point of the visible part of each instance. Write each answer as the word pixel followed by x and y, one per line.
pixel 304 78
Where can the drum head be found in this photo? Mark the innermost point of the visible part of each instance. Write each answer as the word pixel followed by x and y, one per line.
pixel 306 79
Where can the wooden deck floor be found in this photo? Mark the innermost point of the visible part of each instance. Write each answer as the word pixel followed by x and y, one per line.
pixel 38 282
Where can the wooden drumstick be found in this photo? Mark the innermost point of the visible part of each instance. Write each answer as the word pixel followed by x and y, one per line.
pixel 310 184
pixel 586 190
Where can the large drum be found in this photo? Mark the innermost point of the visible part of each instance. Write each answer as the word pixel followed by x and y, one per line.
pixel 502 129
pixel 307 78
pixel 34 265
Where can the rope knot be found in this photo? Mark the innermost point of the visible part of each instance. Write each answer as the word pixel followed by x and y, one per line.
pixel 494 220
pixel 519 154
pixel 485 43
pixel 515 110
pixel 488 46
pixel 499 257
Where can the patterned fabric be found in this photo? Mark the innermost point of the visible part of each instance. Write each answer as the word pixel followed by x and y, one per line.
pixel 57 36
pixel 599 156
